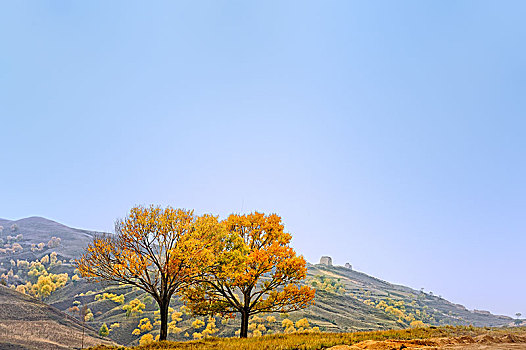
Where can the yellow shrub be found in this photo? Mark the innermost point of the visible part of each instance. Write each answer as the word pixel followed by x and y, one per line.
pixel 198 324
pixel 146 339
pixel 417 324
pixel 303 323
pixel 286 323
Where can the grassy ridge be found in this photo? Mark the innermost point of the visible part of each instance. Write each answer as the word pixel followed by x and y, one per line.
pixel 311 341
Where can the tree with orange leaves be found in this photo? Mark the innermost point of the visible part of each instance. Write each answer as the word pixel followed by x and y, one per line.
pixel 256 272
pixel 160 251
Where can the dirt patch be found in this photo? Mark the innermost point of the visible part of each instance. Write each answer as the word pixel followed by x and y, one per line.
pixel 481 342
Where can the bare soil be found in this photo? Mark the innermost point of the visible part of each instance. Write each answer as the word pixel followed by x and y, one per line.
pixel 490 341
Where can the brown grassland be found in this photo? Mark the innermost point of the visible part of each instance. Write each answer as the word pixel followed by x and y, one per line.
pixel 438 337
pixel 43 335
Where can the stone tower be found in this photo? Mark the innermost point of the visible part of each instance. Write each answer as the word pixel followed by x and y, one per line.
pixel 326 260
pixel 348 266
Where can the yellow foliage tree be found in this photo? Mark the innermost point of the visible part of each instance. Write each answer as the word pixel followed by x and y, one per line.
pixel 134 307
pixel 288 326
pixel 417 324
pixel 119 299
pixel 47 284
pixel 146 339
pixel 172 325
pixel 210 328
pixel 21 288
pixel 198 324
pixel 157 250
pixel 271 319
pixel 88 315
pixel 302 324
pixel 144 326
pixel 104 331
pixel 256 271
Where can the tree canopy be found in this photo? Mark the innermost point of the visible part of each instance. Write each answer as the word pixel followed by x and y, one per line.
pixel 243 264
pixel 256 271
pixel 157 250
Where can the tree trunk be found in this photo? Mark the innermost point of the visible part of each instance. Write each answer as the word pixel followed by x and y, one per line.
pixel 163 306
pixel 244 324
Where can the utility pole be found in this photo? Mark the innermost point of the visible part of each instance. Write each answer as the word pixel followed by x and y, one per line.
pixel 82 313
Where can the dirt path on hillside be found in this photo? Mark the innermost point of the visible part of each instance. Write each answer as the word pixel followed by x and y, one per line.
pixel 481 342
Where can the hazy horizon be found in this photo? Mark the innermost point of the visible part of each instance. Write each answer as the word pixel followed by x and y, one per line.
pixel 387 135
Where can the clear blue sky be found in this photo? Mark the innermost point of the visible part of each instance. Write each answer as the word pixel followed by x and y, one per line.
pixel 388 134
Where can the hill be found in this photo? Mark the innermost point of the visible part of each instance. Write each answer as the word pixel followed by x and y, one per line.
pixel 26 323
pixel 37 230
pixel 351 300
pixel 346 300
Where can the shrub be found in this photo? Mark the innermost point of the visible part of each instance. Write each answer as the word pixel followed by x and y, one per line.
pixel 210 328
pixel 119 299
pixel 16 247
pixel 146 339
pixel 134 307
pixel 271 319
pixel 417 324
pixel 198 324
pixel 88 316
pixel 302 324
pixel 53 242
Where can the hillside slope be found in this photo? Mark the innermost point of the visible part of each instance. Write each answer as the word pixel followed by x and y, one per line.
pixel 346 300
pixel 26 323
pixel 397 304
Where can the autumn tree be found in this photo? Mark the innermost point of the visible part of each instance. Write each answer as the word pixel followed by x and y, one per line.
pixel 104 331
pixel 157 250
pixel 257 272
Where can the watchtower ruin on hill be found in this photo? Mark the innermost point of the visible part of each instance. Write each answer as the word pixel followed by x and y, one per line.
pixel 326 260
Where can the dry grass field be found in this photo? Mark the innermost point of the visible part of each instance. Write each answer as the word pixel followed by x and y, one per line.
pixel 423 338
pixel 43 335
pixel 27 324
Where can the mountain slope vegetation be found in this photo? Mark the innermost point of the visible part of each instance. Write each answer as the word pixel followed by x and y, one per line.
pixel 37 259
